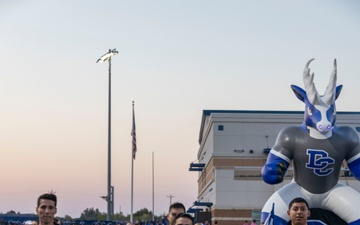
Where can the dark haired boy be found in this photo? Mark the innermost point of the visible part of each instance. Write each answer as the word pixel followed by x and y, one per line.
pixel 298 211
pixel 174 210
pixel 46 208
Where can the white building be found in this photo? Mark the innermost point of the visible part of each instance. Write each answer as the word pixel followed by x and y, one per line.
pixel 233 147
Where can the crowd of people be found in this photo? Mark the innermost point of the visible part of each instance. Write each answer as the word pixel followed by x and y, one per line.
pixel 46 209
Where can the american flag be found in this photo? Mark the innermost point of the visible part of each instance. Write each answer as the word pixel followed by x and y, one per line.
pixel 271 218
pixel 133 134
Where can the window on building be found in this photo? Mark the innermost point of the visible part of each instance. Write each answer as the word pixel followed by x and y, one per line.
pixel 221 127
pixel 256 215
pixel 254 173
pixel 247 172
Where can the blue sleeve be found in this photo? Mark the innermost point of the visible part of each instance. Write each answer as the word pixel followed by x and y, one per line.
pixel 275 168
pixel 353 158
pixel 354 166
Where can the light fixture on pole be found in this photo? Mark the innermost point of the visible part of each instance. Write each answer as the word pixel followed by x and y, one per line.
pixel 171 197
pixel 110 189
pixel 108 55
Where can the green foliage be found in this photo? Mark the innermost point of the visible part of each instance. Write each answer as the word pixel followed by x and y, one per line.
pixel 11 212
pixel 92 214
pixel 67 218
pixel 143 214
pixel 120 217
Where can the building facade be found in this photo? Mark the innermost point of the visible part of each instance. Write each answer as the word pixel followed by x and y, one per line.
pixel 233 148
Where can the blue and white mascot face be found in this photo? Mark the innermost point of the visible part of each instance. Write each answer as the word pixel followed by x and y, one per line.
pixel 320 110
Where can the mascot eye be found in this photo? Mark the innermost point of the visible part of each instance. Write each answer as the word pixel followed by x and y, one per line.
pixel 309 111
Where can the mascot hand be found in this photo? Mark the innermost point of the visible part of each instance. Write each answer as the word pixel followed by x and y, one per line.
pixel 273 173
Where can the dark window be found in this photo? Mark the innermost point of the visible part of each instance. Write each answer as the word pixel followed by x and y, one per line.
pixel 221 127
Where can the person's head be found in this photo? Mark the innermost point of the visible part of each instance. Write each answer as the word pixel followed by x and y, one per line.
pixel 46 208
pixel 47 196
pixel 174 210
pixel 298 211
pixel 183 219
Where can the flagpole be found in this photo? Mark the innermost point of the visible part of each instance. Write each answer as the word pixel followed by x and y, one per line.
pixel 133 152
pixel 153 212
pixel 132 188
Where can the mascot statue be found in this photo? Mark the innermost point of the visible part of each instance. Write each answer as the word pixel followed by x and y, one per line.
pixel 317 148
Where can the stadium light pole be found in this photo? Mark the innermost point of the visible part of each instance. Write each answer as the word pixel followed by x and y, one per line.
pixel 110 189
pixel 171 197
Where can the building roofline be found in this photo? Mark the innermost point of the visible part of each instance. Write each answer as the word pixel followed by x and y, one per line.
pixel 208 112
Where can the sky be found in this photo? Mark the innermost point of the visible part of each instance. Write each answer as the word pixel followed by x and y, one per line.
pixel 176 59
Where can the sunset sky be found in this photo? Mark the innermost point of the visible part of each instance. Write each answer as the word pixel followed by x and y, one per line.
pixel 176 58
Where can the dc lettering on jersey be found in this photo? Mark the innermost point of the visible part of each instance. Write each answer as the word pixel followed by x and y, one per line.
pixel 318 161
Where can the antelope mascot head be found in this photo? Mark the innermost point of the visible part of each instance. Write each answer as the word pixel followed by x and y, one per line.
pixel 320 110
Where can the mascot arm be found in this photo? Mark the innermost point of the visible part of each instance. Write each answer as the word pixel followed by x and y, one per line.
pixel 275 168
pixel 354 166
pixel 353 159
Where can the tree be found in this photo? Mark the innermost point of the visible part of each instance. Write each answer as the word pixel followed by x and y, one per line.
pixel 92 214
pixel 120 217
pixel 142 214
pixel 67 218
